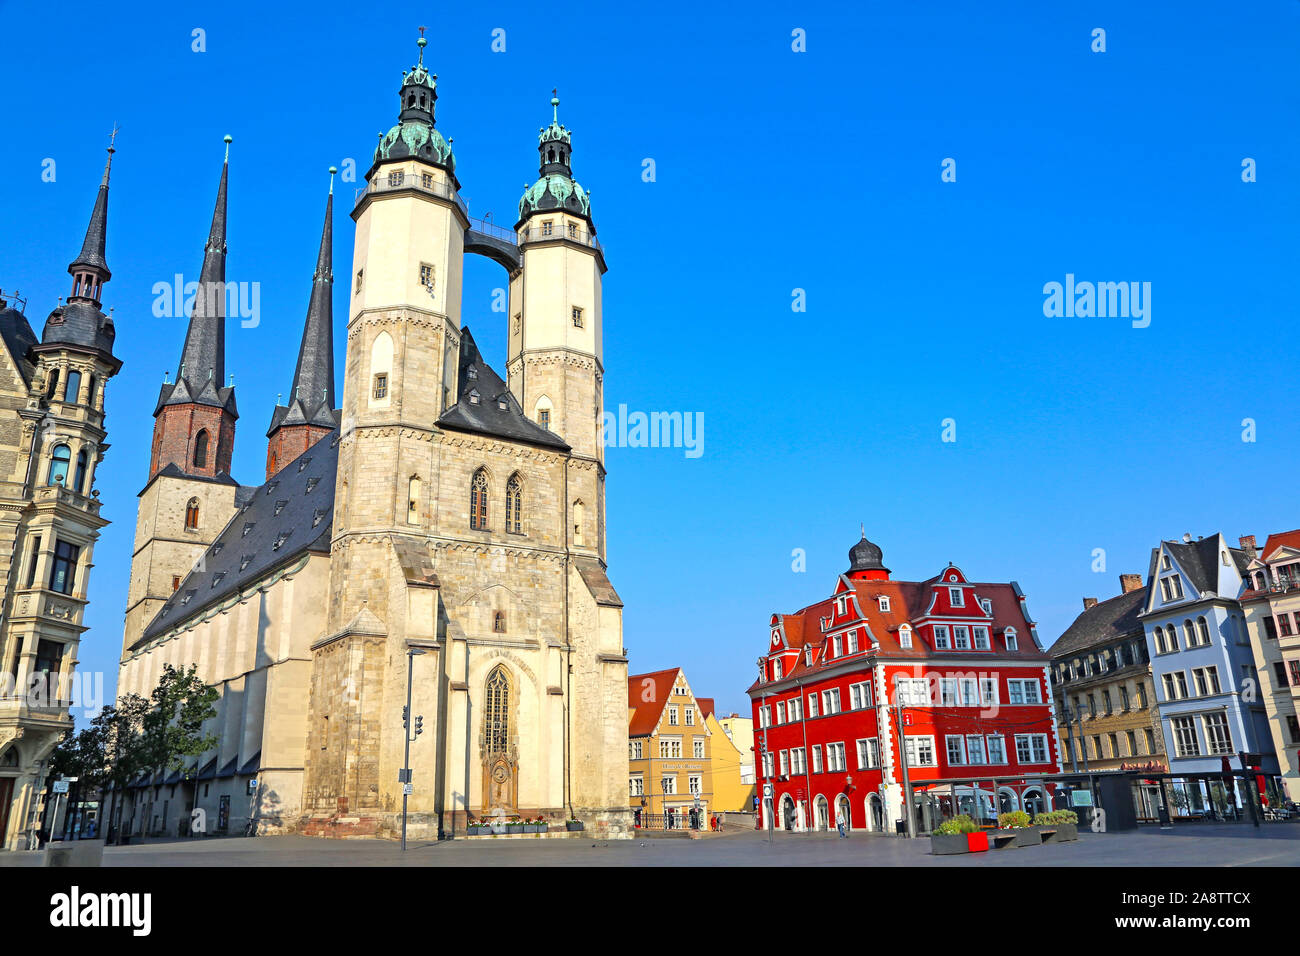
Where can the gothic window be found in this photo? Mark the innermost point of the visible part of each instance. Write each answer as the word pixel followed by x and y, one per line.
pixel 192 514
pixel 71 391
pixel 201 449
pixel 496 710
pixel 79 480
pixel 577 522
pixel 499 622
pixel 478 501
pixel 514 505
pixel 542 411
pixel 413 501
pixel 59 465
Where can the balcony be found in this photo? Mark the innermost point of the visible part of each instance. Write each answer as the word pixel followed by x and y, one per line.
pixel 55 494
pixel 570 231
pixel 432 186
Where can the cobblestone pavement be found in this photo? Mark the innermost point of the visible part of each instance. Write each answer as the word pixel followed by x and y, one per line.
pixel 1190 845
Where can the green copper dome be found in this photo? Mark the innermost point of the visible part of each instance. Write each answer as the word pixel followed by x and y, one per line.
pixel 418 139
pixel 555 191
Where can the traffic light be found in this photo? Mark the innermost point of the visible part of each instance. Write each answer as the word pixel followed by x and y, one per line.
pixel 419 725
pixel 406 719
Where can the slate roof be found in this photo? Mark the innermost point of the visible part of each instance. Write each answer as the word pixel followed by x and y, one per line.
pixel 289 515
pixel 1106 622
pixel 593 575
pixel 1199 560
pixel 18 338
pixel 496 412
pixel 79 322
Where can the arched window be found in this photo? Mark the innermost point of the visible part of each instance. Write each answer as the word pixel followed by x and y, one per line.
pixel 542 411
pixel 54 383
pixel 577 522
pixel 192 514
pixel 1203 630
pixel 71 391
pixel 201 449
pixel 79 480
pixel 514 504
pixel 478 501
pixel 1172 637
pixel 499 622
pixel 496 711
pixel 413 500
pixel 10 759
pixel 90 391
pixel 1189 636
pixel 59 465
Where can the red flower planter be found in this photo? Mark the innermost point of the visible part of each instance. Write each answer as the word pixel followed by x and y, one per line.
pixel 977 841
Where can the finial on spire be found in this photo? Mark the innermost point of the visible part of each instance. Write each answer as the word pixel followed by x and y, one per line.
pixel 333 170
pixel 112 137
pixel 863 526
pixel 555 105
pixel 228 139
pixel 421 44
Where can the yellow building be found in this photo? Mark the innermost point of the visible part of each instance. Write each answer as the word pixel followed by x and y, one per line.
pixel 733 788
pixel 669 753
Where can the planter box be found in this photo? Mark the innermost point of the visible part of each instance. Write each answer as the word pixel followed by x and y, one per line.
pixel 1064 833
pixel 1029 836
pixel 573 826
pixel 1004 839
pixel 978 842
pixel 944 844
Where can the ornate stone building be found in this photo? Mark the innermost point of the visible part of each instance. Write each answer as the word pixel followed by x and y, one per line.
pixel 51 440
pixel 441 523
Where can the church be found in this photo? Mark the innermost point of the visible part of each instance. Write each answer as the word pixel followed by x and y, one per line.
pixel 432 546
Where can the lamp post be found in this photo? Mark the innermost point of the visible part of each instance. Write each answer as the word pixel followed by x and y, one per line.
pixel 411 654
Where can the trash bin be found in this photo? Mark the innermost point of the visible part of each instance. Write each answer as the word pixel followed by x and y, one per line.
pixel 900 827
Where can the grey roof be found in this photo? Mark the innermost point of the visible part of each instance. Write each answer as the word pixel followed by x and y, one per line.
pixel 18 338
pixel 92 248
pixel 172 470
pixel 284 518
pixel 203 362
pixel 598 583
pixel 311 400
pixel 1106 622
pixel 1199 560
pixel 495 412
pixel 866 556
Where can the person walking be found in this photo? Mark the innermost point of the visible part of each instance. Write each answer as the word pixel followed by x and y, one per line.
pixel 841 824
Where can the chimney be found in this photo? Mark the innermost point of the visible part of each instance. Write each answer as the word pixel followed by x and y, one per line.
pixel 1129 582
pixel 1089 603
pixel 1247 544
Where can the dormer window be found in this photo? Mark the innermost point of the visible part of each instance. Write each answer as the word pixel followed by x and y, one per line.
pixel 280 539
pixel 472 373
pixel 776 670
pixel 841 604
pixel 279 505
pixel 1013 644
pixel 884 604
pixel 248 526
pixel 244 560
pixel 304 462
pixel 808 656
pixel 473 396
pixel 987 605
pixel 905 636
pixel 501 404
pixel 311 484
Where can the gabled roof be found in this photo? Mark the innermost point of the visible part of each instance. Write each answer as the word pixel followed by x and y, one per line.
pixel 286 517
pixel 1104 623
pixel 1199 561
pixel 647 700
pixel 487 407
pixel 706 706
pixel 18 338
pixel 1283 539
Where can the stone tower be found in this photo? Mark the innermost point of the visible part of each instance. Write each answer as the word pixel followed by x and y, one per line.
pixel 467 547
pixel 189 495
pixel 51 440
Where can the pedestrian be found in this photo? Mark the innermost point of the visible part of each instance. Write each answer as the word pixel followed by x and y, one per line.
pixel 840 823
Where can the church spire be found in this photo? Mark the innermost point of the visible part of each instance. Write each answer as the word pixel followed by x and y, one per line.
pixel 203 363
pixel 310 413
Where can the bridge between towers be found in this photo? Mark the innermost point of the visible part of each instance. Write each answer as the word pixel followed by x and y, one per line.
pixel 500 245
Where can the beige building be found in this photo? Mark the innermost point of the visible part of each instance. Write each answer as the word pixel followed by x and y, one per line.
pixel 740 731
pixel 1271 604
pixel 449 527
pixel 51 440
pixel 670 768
pixel 731 790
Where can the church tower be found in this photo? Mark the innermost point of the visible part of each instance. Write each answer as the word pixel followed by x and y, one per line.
pixel 555 352
pixel 310 414
pixel 190 495
pixel 51 442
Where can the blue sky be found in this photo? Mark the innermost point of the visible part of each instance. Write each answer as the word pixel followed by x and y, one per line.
pixel 775 171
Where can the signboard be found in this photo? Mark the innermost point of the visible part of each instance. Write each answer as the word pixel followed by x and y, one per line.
pixel 403 776
pixel 1081 798
pixel 407 789
pixel 767 790
pixel 60 786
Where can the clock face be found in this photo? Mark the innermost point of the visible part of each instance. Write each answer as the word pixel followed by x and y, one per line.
pixel 776 640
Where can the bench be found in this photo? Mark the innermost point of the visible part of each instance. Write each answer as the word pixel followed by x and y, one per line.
pixel 1000 840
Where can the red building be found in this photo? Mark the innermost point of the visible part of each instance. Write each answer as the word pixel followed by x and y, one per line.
pixel 964 662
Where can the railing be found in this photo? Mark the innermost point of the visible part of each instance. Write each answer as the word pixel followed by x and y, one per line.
pixel 660 821
pixel 392 180
pixel 494 231
pixel 534 232
pixel 12 297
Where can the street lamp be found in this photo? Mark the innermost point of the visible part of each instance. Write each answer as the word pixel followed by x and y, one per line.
pixel 411 654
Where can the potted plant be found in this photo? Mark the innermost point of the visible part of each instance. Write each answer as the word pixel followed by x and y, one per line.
pixel 573 825
pixel 1017 826
pixel 537 825
pixel 1058 826
pixel 955 836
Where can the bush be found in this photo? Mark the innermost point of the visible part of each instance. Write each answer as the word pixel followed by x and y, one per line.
pixel 1056 818
pixel 1013 820
pixel 956 826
